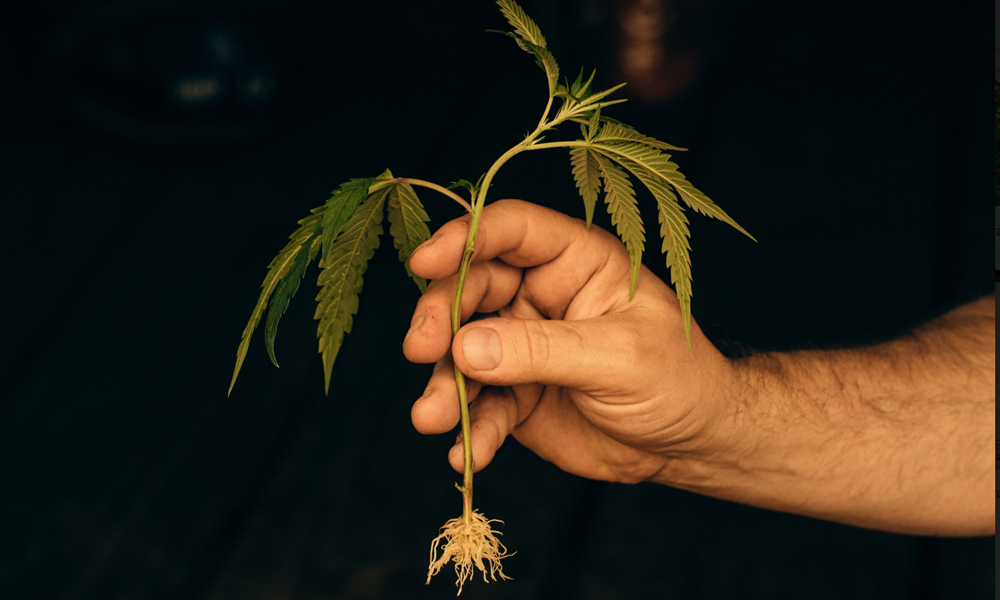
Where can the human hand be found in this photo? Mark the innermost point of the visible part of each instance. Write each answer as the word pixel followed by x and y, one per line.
pixel 603 387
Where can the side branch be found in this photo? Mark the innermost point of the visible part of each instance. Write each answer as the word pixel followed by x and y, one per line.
pixel 426 184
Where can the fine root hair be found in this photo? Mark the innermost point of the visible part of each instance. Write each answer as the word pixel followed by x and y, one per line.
pixel 469 545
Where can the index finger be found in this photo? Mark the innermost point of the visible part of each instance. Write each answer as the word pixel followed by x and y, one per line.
pixel 519 233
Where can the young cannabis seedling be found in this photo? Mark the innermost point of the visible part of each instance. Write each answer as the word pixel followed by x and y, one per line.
pixel 344 233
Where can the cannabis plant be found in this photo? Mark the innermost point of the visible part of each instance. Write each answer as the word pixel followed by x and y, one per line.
pixel 344 233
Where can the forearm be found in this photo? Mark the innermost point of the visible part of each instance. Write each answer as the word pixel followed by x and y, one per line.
pixel 894 436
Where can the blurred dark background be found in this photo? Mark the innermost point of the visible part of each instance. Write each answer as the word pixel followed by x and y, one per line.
pixel 155 155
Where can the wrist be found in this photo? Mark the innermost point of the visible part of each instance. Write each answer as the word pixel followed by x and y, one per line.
pixel 721 444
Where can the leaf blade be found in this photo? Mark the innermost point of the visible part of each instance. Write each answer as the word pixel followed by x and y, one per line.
pixel 341 279
pixel 277 269
pixel 286 291
pixel 675 236
pixel 530 39
pixel 620 199
pixel 408 226
pixel 525 29
pixel 587 175
pixel 619 132
pixel 658 163
pixel 341 207
pixel 701 203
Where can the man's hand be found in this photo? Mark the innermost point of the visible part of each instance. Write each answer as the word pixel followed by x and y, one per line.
pixel 894 436
pixel 600 386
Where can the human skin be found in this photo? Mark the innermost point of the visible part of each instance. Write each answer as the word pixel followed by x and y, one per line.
pixel 893 436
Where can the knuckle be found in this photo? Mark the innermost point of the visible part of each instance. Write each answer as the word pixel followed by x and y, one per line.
pixel 536 347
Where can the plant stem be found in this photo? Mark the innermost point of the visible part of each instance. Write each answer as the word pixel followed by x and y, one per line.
pixel 563 144
pixel 476 211
pixel 456 312
pixel 463 399
pixel 421 183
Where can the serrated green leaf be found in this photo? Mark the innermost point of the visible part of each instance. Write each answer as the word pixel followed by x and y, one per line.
pixel 620 198
pixel 647 157
pixel 573 89
pixel 676 247
pixel 276 272
pixel 341 207
pixel 341 278
pixel 619 132
pixel 466 184
pixel 675 234
pixel 408 225
pixel 701 203
pixel 287 288
pixel 587 175
pixel 597 96
pixel 658 173
pixel 594 124
pixel 658 163
pixel 524 28
pixel 583 114
pixel 545 60
pixel 581 89
pixel 529 38
pixel 461 183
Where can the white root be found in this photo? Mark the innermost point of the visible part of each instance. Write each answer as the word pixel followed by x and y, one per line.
pixel 472 544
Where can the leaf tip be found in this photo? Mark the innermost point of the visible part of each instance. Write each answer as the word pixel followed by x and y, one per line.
pixel 271 355
pixel 634 283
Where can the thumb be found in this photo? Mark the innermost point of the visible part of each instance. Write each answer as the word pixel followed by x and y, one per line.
pixel 503 351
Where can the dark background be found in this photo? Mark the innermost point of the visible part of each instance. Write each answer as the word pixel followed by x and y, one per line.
pixel 156 155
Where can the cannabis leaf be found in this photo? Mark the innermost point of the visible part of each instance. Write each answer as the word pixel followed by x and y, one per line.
pixel 529 38
pixel 650 158
pixel 287 288
pixel 675 235
pixel 619 132
pixel 279 268
pixel 586 173
pixel 408 225
pixel 525 30
pixel 595 98
pixel 580 89
pixel 340 207
pixel 463 183
pixel 620 198
pixel 699 202
pixel 642 156
pixel 341 280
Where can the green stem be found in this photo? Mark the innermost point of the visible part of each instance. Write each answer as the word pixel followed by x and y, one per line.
pixel 478 201
pixel 456 315
pixel 545 115
pixel 463 399
pixel 565 144
pixel 421 183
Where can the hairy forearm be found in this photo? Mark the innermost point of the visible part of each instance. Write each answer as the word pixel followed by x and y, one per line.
pixel 895 436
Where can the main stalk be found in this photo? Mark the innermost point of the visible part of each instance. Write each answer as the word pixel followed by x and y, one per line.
pixel 478 201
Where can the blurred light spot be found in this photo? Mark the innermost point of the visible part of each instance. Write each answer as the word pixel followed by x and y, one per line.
pixel 196 91
pixel 256 87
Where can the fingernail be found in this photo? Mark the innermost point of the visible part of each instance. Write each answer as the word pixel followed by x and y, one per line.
pixel 416 325
pixel 481 348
